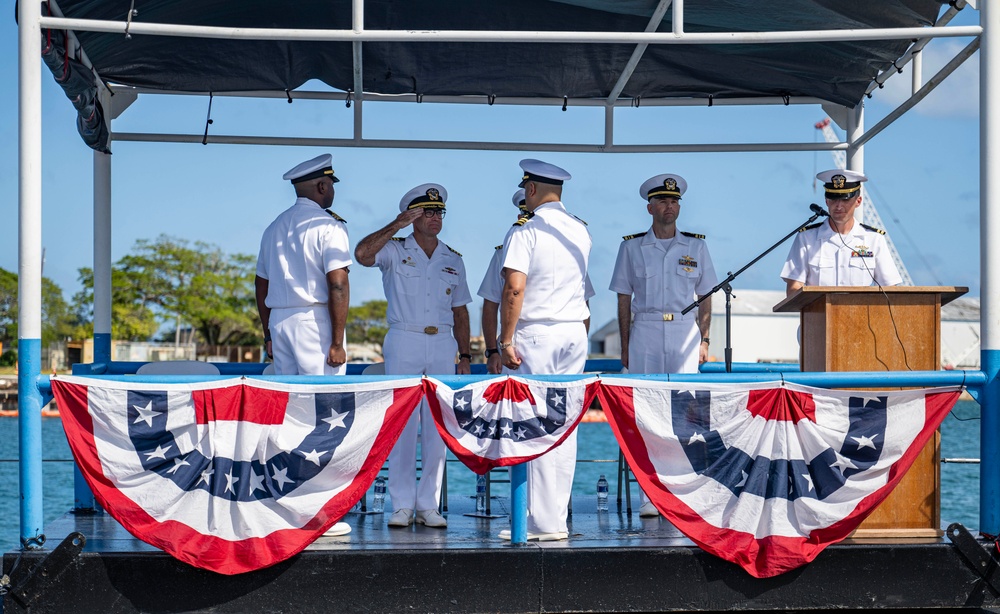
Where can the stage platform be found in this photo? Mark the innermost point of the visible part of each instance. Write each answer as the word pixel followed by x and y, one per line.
pixel 611 562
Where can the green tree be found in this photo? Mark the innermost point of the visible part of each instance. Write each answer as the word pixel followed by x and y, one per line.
pixel 171 281
pixel 366 323
pixel 58 319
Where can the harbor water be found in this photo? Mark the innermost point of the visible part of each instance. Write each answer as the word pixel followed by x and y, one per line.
pixel 597 454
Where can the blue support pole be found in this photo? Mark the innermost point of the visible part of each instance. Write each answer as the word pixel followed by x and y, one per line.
pixel 83 498
pixel 989 267
pixel 989 438
pixel 519 504
pixel 29 423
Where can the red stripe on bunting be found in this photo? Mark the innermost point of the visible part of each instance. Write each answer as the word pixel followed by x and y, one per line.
pixel 782 404
pixel 222 404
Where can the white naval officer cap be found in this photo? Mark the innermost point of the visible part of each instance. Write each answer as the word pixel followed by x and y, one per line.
pixel 663 185
pixel 542 172
pixel 841 184
pixel 320 166
pixel 424 196
pixel 518 200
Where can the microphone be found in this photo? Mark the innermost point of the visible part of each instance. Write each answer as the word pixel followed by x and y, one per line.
pixel 818 210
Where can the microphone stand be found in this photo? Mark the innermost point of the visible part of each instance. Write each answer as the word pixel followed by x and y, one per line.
pixel 725 286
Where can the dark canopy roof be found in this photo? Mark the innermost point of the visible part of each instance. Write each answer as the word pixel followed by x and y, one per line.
pixel 838 72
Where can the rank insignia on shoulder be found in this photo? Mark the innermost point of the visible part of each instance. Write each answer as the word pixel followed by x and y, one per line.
pixel 521 221
pixel 873 229
pixel 453 250
pixel 579 220
pixel 693 235
pixel 635 236
pixel 498 247
pixel 335 216
pixel 810 226
pixel 400 239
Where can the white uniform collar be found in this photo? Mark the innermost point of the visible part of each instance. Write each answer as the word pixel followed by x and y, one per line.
pixel 411 244
pixel 556 204
pixel 856 231
pixel 650 238
pixel 302 200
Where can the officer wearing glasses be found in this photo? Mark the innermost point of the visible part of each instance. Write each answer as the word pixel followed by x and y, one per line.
pixel 427 293
pixel 840 251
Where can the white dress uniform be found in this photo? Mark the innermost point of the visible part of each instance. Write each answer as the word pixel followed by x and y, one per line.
pixel 491 289
pixel 822 257
pixel 297 250
pixel 421 293
pixel 553 250
pixel 663 277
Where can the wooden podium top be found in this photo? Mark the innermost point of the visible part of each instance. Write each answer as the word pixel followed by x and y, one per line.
pixel 808 294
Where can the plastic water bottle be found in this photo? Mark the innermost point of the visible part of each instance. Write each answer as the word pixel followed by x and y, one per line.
pixel 481 494
pixel 378 505
pixel 602 494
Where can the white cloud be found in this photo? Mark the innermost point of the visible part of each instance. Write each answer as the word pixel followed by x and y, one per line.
pixel 956 96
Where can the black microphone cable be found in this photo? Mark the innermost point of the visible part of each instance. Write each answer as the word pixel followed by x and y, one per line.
pixel 888 301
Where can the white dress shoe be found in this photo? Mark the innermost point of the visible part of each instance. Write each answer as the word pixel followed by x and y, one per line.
pixel 648 510
pixel 431 518
pixel 542 537
pixel 339 528
pixel 401 518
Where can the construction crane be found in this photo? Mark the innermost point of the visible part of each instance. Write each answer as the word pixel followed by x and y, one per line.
pixel 870 213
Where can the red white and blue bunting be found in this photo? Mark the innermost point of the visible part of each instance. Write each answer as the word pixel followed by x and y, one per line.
pixel 239 474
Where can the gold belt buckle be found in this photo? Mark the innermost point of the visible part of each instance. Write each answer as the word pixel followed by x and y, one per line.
pixel 668 317
pixel 430 330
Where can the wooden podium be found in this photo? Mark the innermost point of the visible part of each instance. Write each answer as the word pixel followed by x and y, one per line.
pixel 897 328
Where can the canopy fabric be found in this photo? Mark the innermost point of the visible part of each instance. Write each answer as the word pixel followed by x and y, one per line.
pixel 838 72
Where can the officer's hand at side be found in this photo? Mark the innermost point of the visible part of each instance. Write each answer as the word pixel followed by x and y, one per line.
pixel 493 364
pixel 267 349
pixel 625 358
pixel 336 356
pixel 703 353
pixel 463 368
pixel 510 358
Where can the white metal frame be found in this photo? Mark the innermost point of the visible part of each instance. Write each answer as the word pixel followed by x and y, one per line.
pixel 31 22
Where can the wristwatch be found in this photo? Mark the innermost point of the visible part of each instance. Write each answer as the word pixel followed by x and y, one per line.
pixel 503 346
pixel 704 339
pixel 490 352
pixel 465 356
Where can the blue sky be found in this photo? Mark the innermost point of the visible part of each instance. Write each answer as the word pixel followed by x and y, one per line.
pixel 924 172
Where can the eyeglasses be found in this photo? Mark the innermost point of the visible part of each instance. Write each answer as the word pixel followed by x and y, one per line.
pixel 434 212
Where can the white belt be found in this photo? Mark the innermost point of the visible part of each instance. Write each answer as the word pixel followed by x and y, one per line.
pixel 663 317
pixel 427 330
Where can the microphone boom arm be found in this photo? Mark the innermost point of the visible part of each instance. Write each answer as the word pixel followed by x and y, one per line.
pixel 725 283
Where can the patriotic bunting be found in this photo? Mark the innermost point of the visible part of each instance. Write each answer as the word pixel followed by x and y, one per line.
pixel 508 420
pixel 239 474
pixel 231 475
pixel 768 475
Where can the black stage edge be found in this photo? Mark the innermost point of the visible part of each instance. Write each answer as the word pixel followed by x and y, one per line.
pixel 612 562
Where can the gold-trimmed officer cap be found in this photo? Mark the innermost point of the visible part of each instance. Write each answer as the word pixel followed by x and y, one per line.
pixel 424 196
pixel 518 200
pixel 542 172
pixel 320 166
pixel 663 185
pixel 841 184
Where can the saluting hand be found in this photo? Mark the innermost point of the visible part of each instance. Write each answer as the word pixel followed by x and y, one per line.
pixel 408 217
